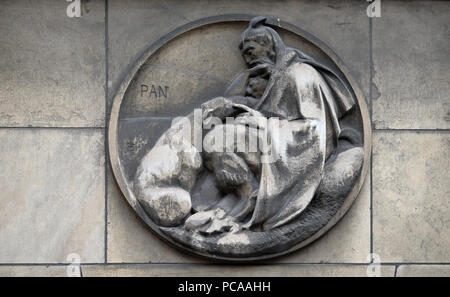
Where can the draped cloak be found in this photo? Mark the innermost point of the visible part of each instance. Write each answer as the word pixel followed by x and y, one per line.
pixel 300 95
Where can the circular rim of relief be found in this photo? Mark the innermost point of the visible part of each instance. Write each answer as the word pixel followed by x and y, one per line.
pixel 153 48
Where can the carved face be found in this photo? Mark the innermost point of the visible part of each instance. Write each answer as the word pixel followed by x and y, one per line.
pixel 256 86
pixel 256 53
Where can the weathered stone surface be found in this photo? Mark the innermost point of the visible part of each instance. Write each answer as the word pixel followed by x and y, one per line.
pixel 205 193
pixel 130 239
pixel 220 64
pixel 166 91
pixel 347 242
pixel 344 26
pixel 410 55
pixel 341 174
pixel 231 271
pixel 288 191
pixel 220 223
pixel 409 68
pixel 167 206
pixel 33 271
pixel 410 196
pixel 52 198
pixel 423 271
pixel 166 175
pixel 52 66
pixel 136 137
pixel 199 219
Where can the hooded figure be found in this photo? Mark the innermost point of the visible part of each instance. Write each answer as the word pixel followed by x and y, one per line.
pixel 291 104
pixel 302 101
pixel 338 104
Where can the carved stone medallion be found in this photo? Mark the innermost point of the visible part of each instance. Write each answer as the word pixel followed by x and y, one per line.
pixel 239 138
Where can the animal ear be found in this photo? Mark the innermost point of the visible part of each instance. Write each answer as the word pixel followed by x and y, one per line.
pixel 257 21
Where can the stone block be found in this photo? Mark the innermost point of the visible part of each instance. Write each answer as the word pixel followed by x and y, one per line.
pixel 33 271
pixel 52 66
pixel 53 195
pixel 411 209
pixel 423 271
pixel 171 270
pixel 411 66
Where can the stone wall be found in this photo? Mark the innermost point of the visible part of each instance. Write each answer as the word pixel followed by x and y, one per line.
pixel 58 195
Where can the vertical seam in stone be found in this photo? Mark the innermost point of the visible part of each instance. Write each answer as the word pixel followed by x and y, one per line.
pixel 371 151
pixel 106 129
pixel 413 130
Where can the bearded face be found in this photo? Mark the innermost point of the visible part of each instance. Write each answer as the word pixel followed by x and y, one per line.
pixel 257 49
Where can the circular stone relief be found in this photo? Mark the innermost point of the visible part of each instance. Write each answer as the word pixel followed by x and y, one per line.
pixel 239 138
